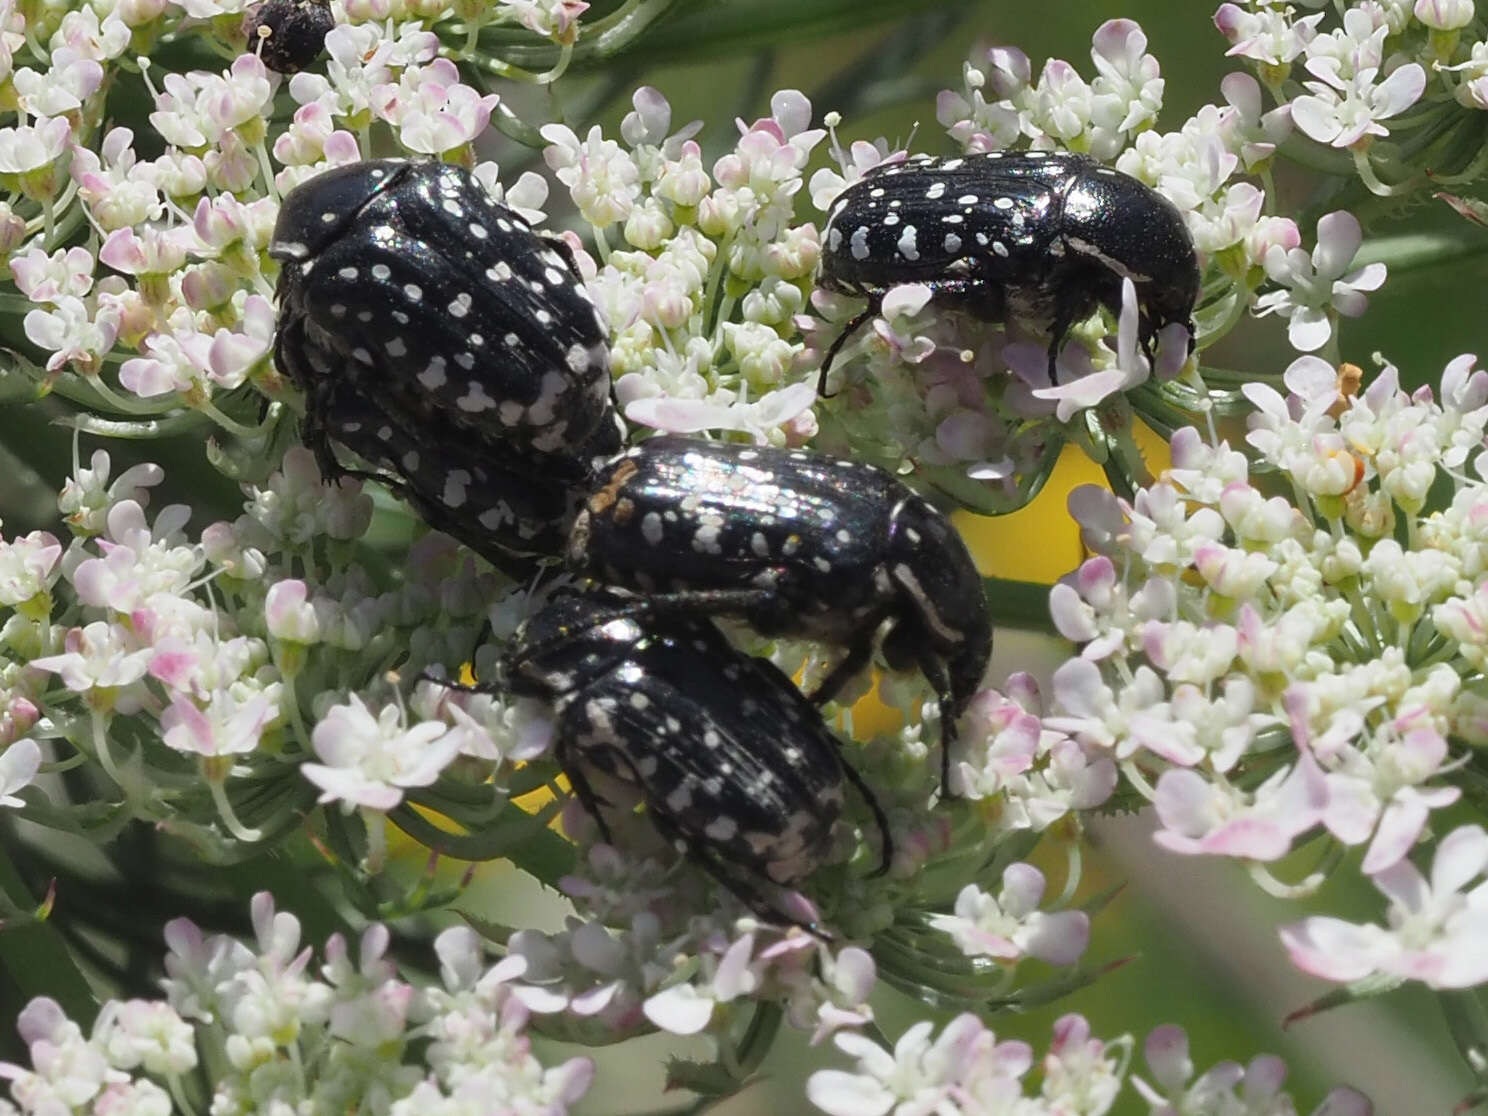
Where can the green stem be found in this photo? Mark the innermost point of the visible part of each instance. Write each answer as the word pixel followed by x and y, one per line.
pixel 229 816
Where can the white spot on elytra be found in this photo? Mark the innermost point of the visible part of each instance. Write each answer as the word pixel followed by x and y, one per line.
pixel 433 377
pixel 1000 248
pixel 461 305
pixel 721 829
pixel 952 243
pixel 705 540
pixel 478 230
pixel 651 528
pixel 347 273
pixel 1003 203
pixel 475 399
pixel 907 247
pixel 937 189
pixel 396 348
pixel 967 199
pixel 499 272
pixel 411 460
pixel 455 483
pixel 890 219
pixel 413 291
pixel 577 358
pixel 860 243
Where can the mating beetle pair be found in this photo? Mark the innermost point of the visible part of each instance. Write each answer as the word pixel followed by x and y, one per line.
pixel 794 543
pixel 1040 237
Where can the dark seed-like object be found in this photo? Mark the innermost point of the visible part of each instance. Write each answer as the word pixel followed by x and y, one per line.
pixel 296 31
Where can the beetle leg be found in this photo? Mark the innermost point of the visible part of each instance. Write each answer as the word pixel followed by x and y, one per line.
pixel 874 304
pixel 886 839
pixel 1064 317
pixel 848 667
pixel 934 671
pixel 582 788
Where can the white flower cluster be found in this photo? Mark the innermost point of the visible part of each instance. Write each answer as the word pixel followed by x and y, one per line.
pixel 966 1070
pixel 703 290
pixel 1264 665
pixel 285 1036
pixel 205 640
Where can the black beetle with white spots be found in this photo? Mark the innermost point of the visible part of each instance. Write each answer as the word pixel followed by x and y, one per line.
pixel 798 544
pixel 734 765
pixel 419 316
pixel 1038 237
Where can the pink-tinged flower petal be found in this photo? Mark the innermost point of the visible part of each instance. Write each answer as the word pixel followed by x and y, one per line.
pixel 1071 618
pixel 1335 950
pixel 905 300
pixel 1403 884
pixel 1339 238
pixel 838 1093
pixel 854 973
pixel 1461 856
pixel 1368 278
pixel 19 764
pixel 1316 118
pixel 679 1010
pixel 1311 378
pixel 1402 821
pixel 1309 329
pixel 1166 1053
pixel 288 614
pixel 1083 393
pixel 1060 938
pixel 1399 91
pixel 1344 1101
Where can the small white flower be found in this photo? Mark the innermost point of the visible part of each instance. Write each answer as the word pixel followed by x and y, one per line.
pixel 369 760
pixel 19 763
pixel 1320 285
